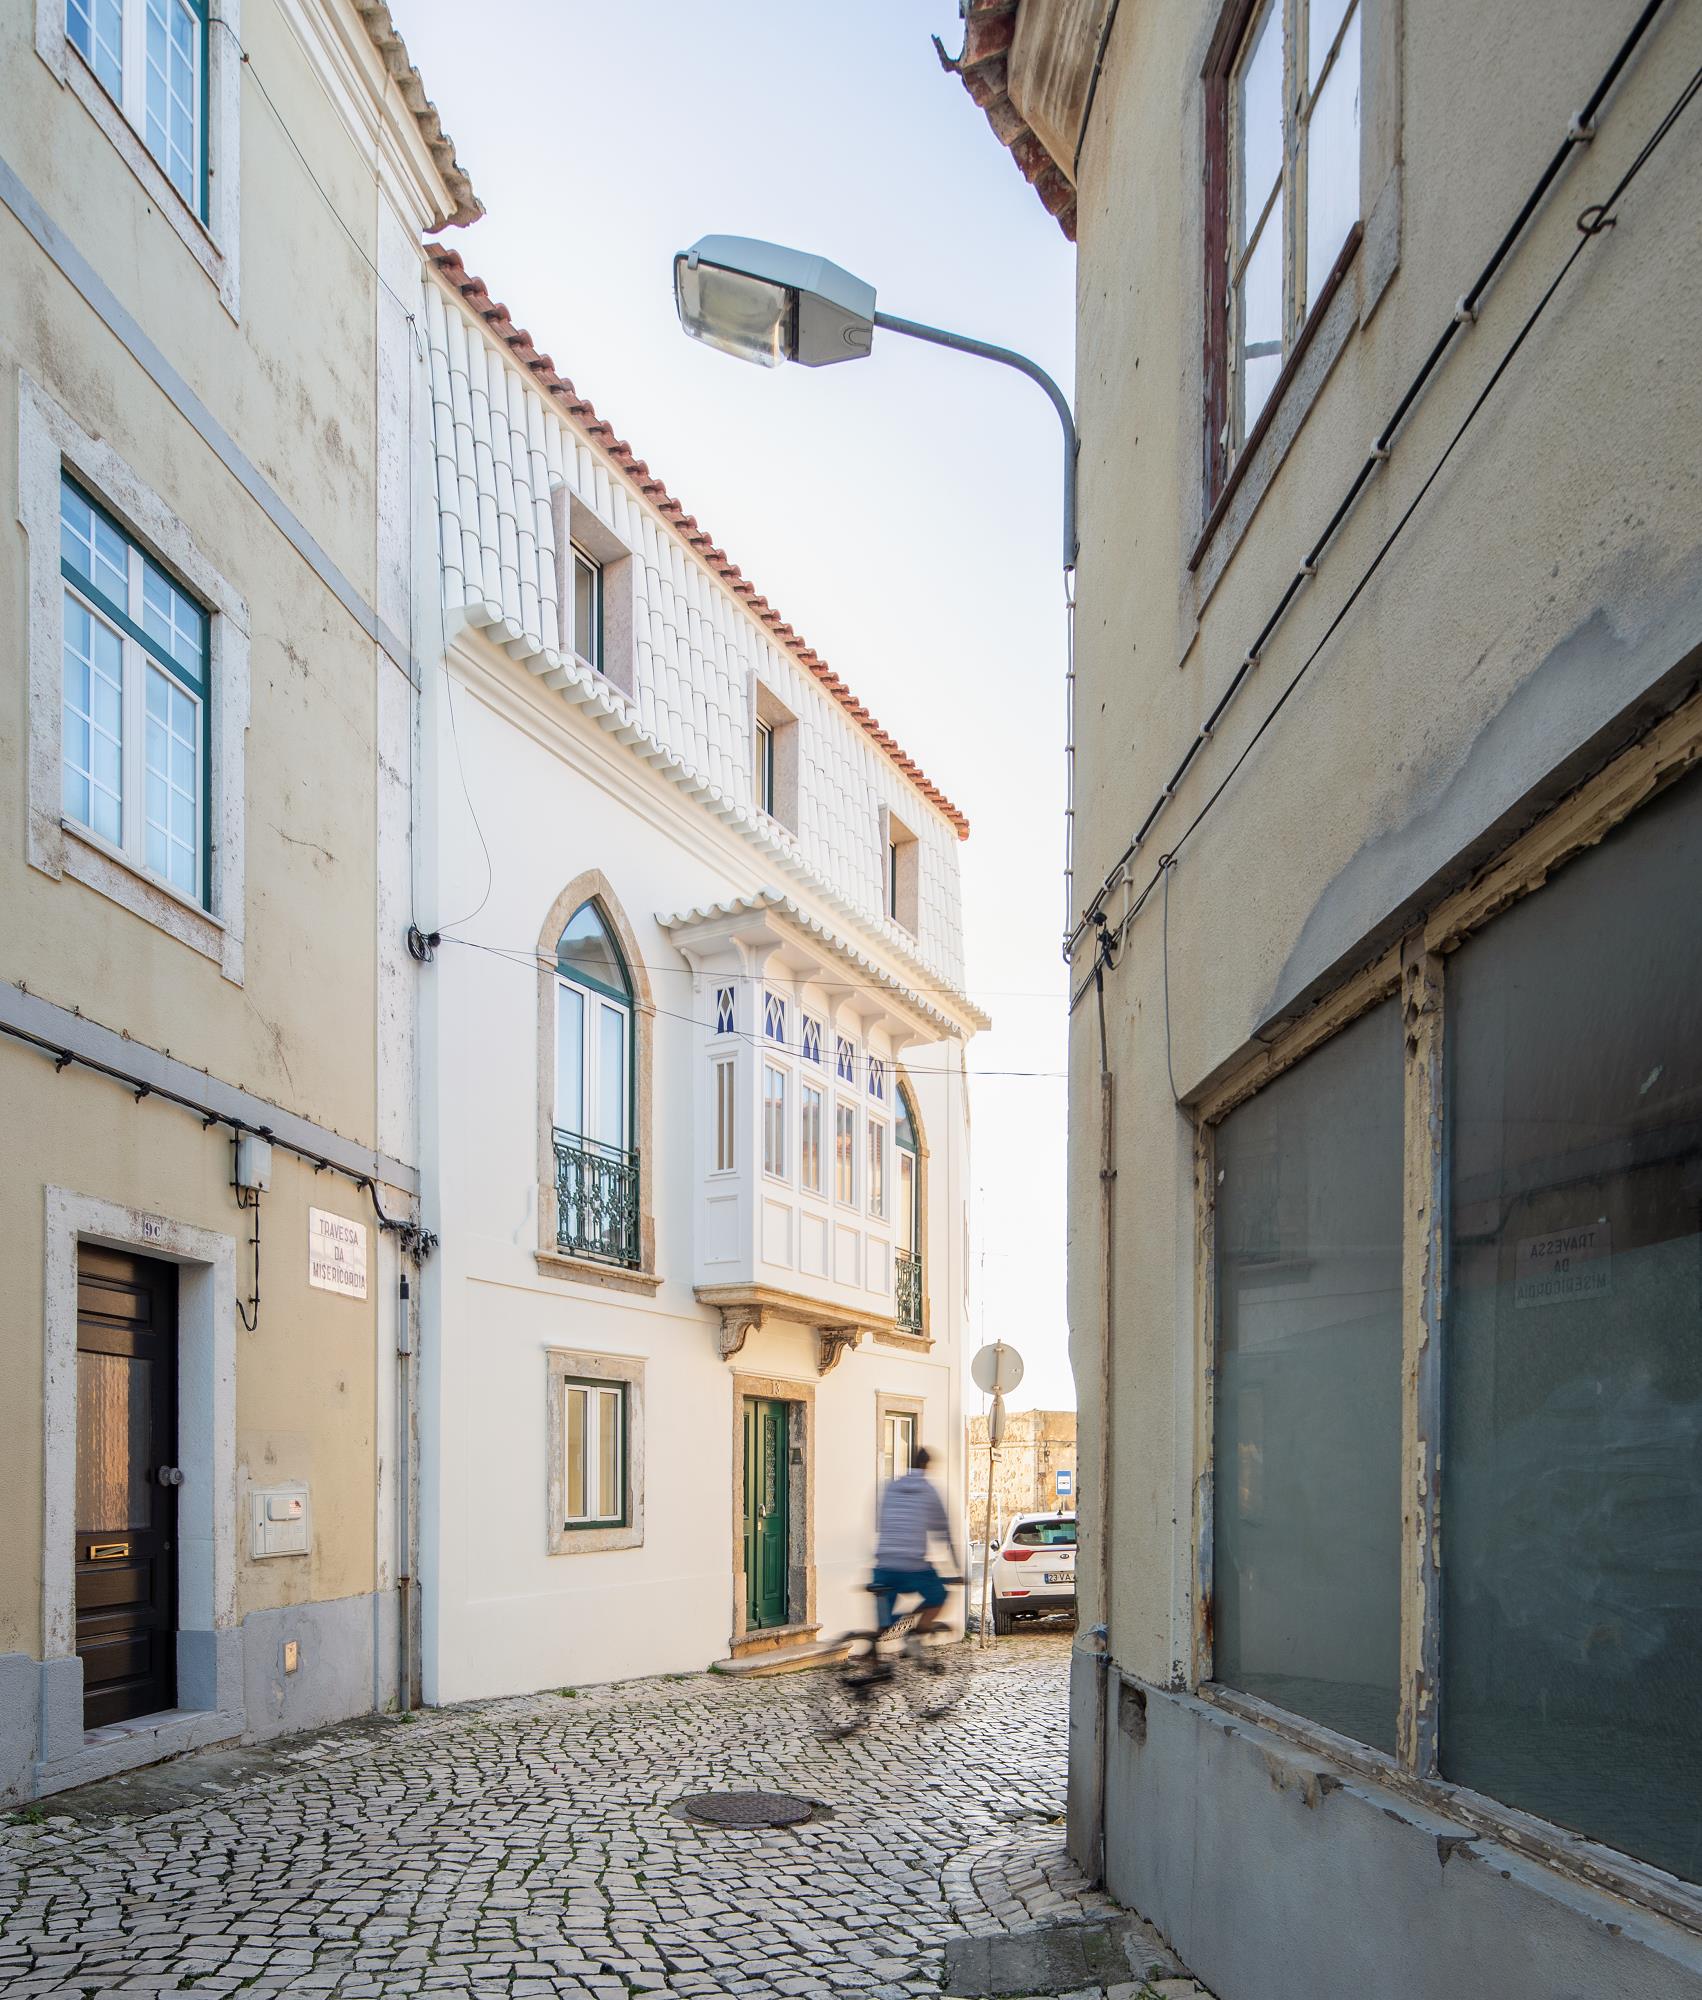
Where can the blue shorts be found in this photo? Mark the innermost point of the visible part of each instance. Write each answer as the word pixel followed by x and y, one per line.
pixel 894 1583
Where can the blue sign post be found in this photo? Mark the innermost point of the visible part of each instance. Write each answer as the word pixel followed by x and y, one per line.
pixel 1066 1481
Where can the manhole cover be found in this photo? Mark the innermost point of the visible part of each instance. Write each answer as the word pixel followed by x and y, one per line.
pixel 748 1808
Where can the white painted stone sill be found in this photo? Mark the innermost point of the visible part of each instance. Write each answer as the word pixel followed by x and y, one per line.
pixel 155 884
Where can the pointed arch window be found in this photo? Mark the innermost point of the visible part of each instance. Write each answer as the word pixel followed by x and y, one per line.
pixel 907 1251
pixel 596 1163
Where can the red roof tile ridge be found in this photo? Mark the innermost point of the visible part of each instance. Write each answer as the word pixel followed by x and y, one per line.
pixel 983 67
pixel 477 295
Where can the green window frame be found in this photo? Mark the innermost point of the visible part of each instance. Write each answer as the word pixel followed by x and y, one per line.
pixel 138 52
pixel 136 694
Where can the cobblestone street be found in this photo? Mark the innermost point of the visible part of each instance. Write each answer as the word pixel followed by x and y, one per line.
pixel 526 1848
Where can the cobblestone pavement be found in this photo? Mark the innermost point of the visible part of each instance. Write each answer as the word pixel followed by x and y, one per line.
pixel 525 1848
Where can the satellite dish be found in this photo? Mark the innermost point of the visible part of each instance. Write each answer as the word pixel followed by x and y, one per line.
pixel 997 1369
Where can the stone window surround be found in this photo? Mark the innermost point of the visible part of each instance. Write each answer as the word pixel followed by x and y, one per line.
pixel 209 1657
pixel 593 885
pixel 564 1365
pixel 767 707
pixel 1348 298
pixel 216 243
pixel 1413 970
pixel 51 441
pixel 575 522
pixel 904 907
pixel 919 1342
pixel 892 1405
pixel 800 1399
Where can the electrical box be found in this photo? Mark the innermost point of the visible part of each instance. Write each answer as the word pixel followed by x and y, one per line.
pixel 253 1162
pixel 281 1522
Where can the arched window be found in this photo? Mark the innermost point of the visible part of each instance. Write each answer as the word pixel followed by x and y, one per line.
pixel 908 1252
pixel 596 1163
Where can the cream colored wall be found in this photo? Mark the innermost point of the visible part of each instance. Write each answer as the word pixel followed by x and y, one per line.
pixel 1550 577
pixel 305 1379
pixel 293 382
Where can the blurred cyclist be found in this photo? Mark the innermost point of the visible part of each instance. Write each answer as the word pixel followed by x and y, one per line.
pixel 912 1515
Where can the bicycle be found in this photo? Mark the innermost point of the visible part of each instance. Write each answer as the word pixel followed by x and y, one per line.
pixel 930 1669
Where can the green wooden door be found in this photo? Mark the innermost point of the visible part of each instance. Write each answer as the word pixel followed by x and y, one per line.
pixel 765 1513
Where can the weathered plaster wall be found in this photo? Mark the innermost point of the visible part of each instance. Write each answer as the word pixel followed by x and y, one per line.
pixel 252 414
pixel 1545 594
pixel 1548 581
pixel 1275 1873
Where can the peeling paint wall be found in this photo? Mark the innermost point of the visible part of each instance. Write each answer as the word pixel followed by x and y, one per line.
pixel 1543 606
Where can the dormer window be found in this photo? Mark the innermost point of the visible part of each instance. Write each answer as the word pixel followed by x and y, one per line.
pixel 587 608
pixel 765 767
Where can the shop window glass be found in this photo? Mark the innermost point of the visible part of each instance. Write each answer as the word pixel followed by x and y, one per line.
pixel 1572 1358
pixel 1308 1386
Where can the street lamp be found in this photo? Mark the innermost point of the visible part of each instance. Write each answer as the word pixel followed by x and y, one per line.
pixel 764 303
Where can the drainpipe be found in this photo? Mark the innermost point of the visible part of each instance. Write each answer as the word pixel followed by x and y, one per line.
pixel 1099 1639
pixel 404 1498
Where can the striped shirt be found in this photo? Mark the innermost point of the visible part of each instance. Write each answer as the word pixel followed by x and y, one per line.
pixel 911 1512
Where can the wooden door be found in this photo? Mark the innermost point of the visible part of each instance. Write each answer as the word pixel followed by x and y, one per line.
pixel 767 1519
pixel 126 1550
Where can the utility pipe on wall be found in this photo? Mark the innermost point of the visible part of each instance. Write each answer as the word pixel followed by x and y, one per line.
pixel 404 1498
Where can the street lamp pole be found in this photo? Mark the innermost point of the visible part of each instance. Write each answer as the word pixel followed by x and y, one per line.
pixel 764 303
pixel 1009 358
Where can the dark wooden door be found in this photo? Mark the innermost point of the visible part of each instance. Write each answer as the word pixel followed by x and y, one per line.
pixel 126 1513
pixel 767 1520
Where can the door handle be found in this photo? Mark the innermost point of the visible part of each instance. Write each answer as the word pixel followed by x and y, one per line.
pixel 169 1475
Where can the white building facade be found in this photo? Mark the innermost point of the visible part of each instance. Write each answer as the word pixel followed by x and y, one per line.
pixel 691 1052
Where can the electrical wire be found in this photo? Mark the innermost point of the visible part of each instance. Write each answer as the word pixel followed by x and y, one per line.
pixel 1579 133
pixel 536 961
pixel 1593 221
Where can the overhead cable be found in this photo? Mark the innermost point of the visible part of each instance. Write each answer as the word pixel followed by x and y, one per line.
pixel 1579 132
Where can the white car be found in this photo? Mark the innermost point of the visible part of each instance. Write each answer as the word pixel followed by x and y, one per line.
pixel 1034 1570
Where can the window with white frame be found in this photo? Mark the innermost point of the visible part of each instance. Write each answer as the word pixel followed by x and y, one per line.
pixel 809 1039
pixel 845 1152
pixel 150 57
pixel 845 1059
pixel 597 1185
pixel 811 1164
pixel 877 1077
pixel 877 1167
pixel 726 1073
pixel 773 1017
pixel 594 1482
pixel 135 724
pixel 765 767
pixel 587 608
pixel 774 1121
pixel 897 1444
pixel 726 1015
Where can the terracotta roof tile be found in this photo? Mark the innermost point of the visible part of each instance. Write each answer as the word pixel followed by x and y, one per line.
pixel 455 273
pixel 989 27
pixel 387 39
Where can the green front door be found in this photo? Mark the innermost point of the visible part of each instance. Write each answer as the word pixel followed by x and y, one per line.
pixel 765 1512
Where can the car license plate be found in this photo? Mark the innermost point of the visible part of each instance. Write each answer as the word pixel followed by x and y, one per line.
pixel 1060 1576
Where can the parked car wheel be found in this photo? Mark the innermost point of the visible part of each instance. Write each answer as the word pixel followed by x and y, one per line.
pixel 1002 1620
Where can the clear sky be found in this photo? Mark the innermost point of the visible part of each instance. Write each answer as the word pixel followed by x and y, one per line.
pixel 902 512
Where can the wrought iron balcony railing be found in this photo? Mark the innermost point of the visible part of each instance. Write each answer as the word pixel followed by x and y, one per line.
pixel 907 1290
pixel 596 1199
